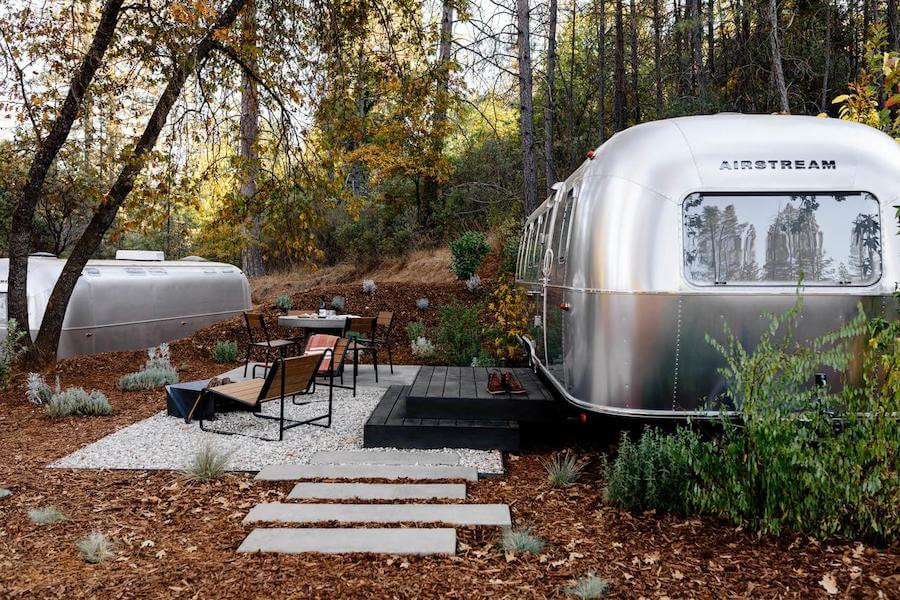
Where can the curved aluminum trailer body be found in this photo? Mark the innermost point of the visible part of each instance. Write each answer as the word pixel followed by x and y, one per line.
pixel 128 305
pixel 676 227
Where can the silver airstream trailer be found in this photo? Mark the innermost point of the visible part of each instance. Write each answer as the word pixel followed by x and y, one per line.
pixel 134 303
pixel 675 227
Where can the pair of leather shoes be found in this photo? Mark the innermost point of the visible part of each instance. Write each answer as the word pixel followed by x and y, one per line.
pixel 507 382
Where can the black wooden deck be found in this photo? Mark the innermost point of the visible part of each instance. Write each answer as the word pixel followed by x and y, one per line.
pixel 390 425
pixel 461 393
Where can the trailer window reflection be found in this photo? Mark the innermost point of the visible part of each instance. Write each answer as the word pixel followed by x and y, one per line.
pixel 828 239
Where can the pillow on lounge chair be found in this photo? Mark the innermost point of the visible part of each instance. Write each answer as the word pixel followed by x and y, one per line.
pixel 319 343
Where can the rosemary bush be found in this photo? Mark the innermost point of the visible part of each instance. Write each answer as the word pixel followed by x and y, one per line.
pixel 225 352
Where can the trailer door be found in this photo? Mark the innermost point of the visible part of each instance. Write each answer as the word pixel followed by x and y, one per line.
pixel 554 284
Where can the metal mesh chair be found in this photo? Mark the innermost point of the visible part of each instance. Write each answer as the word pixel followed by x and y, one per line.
pixel 259 339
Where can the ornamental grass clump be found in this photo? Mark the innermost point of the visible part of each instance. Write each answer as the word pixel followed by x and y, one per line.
pixel 158 371
pixel 338 303
pixel 590 587
pixel 421 347
pixel 96 547
pixel 46 515
pixel 76 402
pixel 473 283
pixel 4 493
pixel 369 287
pixel 11 349
pixel 225 352
pixel 37 391
pixel 208 464
pixel 563 470
pixel 519 541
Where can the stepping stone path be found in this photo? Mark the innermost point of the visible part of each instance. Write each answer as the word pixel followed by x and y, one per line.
pixel 416 467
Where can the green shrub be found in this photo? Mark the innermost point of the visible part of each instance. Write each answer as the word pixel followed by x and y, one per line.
pixel 563 470
pixel 11 349
pixel 158 371
pixel 467 253
pixel 415 330
pixel 284 303
pixel 46 515
pixel 380 231
pixel 208 464
pixel 588 588
pixel 484 360
pixel 459 334
pixel 806 458
pixel 655 473
pixel 75 402
pixel 522 541
pixel 511 234
pixel 225 352
pixel 96 547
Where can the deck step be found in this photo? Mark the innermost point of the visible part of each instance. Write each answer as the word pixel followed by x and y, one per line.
pixel 452 514
pixel 339 541
pixel 378 491
pixel 390 425
pixel 390 457
pixel 419 472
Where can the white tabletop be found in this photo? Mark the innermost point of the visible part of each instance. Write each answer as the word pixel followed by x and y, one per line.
pixel 314 322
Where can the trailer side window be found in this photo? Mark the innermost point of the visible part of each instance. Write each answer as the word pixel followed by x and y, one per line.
pixel 565 225
pixel 3 307
pixel 777 239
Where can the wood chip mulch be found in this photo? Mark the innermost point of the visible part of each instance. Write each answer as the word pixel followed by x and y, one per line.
pixel 175 539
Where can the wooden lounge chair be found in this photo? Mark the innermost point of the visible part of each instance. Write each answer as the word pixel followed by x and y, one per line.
pixel 287 378
pixel 259 339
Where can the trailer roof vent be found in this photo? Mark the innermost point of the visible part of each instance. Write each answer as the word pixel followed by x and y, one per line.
pixel 155 255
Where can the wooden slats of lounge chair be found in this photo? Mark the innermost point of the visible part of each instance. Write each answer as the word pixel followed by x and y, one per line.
pixel 298 374
pixel 246 392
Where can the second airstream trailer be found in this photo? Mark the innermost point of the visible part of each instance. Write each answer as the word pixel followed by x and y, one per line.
pixel 676 227
pixel 131 304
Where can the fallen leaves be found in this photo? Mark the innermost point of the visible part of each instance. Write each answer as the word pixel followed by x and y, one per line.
pixel 829 584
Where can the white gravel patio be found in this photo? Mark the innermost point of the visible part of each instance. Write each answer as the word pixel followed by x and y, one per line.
pixel 167 443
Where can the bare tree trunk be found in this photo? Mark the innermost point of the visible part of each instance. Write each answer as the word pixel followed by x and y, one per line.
pixel 697 46
pixel 635 83
pixel 679 47
pixel 548 106
pixel 20 234
pixel 251 252
pixel 657 58
pixel 431 188
pixel 526 108
pixel 570 95
pixel 823 103
pixel 619 107
pixel 44 348
pixel 893 27
pixel 710 40
pixel 601 69
pixel 777 68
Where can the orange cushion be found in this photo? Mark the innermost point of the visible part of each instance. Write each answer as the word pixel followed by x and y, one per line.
pixel 319 343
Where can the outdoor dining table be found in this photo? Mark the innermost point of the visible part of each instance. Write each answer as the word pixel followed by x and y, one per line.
pixel 334 324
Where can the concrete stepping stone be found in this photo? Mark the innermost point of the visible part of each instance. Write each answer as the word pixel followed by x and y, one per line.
pixel 378 491
pixel 421 472
pixel 452 514
pixel 392 457
pixel 339 541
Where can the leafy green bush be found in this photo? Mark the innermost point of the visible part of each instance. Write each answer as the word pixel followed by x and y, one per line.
pixel 96 547
pixel 563 470
pixel 511 234
pixel 208 464
pixel 467 253
pixel 459 334
pixel 10 350
pixel 522 541
pixel 805 458
pixel 75 402
pixel 284 303
pixel 225 352
pixel 588 588
pixel 655 473
pixel 380 231
pixel 46 515
pixel 158 371
pixel 415 330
